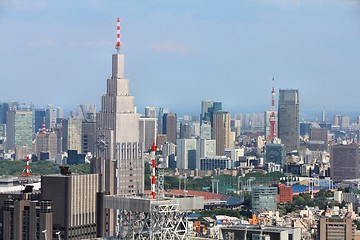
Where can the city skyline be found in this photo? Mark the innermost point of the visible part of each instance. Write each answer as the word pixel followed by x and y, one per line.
pixel 60 50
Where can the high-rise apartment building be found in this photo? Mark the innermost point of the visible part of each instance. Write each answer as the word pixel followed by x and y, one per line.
pixel 19 129
pixel 170 126
pixel 345 121
pixel 150 112
pixel 344 160
pixel 147 132
pixel 221 131
pixel 288 119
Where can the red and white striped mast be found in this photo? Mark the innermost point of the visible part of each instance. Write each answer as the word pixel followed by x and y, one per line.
pixel 117 46
pixel 27 171
pixel 153 171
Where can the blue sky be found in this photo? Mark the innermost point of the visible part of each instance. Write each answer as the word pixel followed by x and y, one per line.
pixel 178 53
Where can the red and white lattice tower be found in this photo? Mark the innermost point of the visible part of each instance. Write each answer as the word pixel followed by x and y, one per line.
pixel 272 119
pixel 117 46
pixel 153 171
pixel 27 170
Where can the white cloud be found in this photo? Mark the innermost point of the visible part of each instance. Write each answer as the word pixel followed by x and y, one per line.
pixel 171 47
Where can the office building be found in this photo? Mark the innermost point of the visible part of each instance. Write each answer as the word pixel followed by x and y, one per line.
pixel 170 126
pixel 256 232
pixel 264 198
pixel 46 142
pixel 336 228
pixel 150 112
pixel 204 148
pixel 4 108
pixel 162 111
pixel 276 153
pixel 344 160
pixel 88 137
pixel 205 131
pixel 285 193
pixel 74 216
pixel 87 112
pixel 216 162
pixel 39 119
pixel 25 217
pixel 147 132
pixel 319 134
pixel 71 134
pixel 59 113
pixel 208 108
pixel 19 129
pixel 288 119
pixel 186 154
pixel 221 131
pixel 50 116
pixel 337 120
pixel 119 153
pixel 185 131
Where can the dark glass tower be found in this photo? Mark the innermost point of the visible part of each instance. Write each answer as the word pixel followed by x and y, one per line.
pixel 288 119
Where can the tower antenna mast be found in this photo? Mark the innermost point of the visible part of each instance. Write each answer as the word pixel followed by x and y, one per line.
pixel 117 46
pixel 272 121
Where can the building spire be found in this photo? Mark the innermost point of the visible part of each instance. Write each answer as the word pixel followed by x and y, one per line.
pixel 117 46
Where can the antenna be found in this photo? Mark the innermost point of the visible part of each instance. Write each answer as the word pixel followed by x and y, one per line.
pixel 272 121
pixel 117 46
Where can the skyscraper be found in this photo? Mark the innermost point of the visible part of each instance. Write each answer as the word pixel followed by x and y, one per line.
pixel 162 111
pixel 185 131
pixel 344 160
pixel 150 112
pixel 288 119
pixel 74 203
pixel 39 119
pixel 19 129
pixel 118 124
pixel 50 116
pixel 71 134
pixel 221 131
pixel 147 132
pixel 118 151
pixel 170 126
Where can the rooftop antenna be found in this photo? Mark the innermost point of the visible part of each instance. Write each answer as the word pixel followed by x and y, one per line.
pixel 117 46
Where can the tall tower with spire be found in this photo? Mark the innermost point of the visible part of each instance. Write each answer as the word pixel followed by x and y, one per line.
pixel 118 149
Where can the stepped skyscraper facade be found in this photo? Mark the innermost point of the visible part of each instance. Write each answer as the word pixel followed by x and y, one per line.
pixel 119 152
